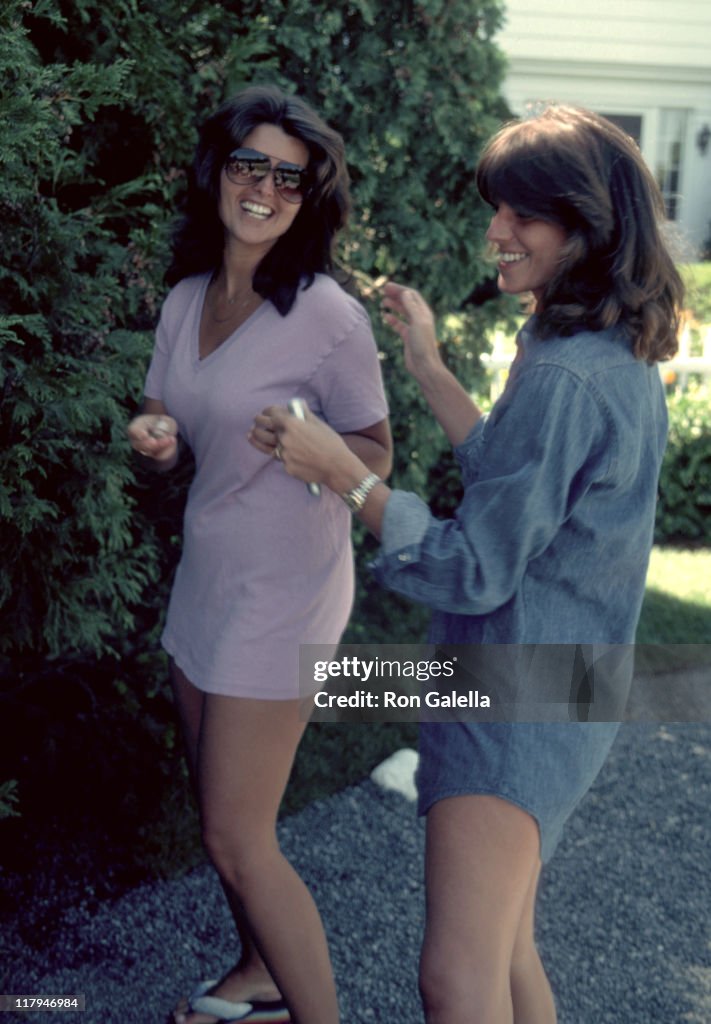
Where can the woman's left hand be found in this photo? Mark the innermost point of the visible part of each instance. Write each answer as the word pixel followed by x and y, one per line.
pixel 263 435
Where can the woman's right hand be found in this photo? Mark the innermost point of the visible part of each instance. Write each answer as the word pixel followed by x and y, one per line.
pixel 154 435
pixel 408 314
pixel 310 450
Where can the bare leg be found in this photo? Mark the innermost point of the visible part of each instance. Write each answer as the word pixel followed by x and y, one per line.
pixel 530 990
pixel 249 978
pixel 482 859
pixel 241 753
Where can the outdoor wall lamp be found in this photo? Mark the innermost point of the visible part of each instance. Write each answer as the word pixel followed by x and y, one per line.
pixel 703 138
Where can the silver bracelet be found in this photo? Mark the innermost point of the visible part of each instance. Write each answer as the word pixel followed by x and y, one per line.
pixel 355 498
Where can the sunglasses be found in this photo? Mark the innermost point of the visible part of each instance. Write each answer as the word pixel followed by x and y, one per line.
pixel 249 166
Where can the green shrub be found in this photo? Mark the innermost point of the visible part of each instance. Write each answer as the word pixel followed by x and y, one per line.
pixel 684 508
pixel 9 799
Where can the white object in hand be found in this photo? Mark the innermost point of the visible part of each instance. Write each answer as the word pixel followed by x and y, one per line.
pixel 161 428
pixel 297 408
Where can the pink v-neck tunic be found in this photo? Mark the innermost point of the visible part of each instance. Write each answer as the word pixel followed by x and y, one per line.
pixel 265 565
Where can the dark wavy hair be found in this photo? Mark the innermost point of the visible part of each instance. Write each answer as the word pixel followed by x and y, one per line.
pixel 576 169
pixel 307 247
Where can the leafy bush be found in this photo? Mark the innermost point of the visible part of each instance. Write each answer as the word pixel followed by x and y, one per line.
pixel 697 279
pixel 9 799
pixel 684 509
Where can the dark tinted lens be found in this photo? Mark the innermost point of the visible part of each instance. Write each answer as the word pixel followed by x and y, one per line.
pixel 245 167
pixel 290 181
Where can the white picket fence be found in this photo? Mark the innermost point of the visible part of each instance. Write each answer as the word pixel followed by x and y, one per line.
pixel 684 367
pixel 677 373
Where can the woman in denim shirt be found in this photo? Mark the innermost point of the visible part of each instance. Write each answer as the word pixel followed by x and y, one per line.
pixel 549 548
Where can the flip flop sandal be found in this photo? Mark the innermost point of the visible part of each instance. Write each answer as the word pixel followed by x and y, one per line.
pixel 273 1011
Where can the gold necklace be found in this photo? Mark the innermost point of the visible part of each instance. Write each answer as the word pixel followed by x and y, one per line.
pixel 238 307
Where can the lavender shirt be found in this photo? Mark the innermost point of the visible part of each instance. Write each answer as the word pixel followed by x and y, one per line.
pixel 265 565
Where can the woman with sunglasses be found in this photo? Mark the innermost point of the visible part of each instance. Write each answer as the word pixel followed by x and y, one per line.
pixel 254 318
pixel 548 551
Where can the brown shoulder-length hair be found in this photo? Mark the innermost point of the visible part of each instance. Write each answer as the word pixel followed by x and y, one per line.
pixel 307 247
pixel 576 169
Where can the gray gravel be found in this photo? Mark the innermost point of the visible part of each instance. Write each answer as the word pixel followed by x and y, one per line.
pixel 624 905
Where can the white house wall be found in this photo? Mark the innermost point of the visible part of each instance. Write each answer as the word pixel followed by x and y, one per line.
pixel 634 57
pixel 633 31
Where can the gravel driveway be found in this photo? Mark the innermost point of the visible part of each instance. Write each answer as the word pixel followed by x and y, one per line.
pixel 624 907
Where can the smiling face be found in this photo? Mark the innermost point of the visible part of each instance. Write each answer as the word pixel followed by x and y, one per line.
pixel 530 250
pixel 256 215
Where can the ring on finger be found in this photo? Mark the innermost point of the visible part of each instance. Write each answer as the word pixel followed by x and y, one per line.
pixel 277 453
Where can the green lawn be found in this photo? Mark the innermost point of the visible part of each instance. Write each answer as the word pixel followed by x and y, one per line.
pixel 676 614
pixel 685 575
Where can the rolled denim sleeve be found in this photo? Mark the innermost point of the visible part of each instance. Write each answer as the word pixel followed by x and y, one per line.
pixel 405 524
pixel 524 470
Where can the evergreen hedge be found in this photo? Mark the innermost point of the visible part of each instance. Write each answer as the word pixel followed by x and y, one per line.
pixel 684 508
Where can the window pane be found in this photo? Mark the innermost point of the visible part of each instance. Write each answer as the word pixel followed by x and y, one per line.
pixel 630 123
pixel 670 155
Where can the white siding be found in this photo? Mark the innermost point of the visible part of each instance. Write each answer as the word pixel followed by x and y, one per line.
pixel 633 31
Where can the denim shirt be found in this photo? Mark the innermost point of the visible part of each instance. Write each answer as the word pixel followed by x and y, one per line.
pixel 551 541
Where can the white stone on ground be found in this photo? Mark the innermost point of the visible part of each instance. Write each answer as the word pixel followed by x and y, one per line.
pixel 397 772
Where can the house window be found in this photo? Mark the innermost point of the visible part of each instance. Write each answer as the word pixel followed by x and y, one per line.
pixel 630 123
pixel 670 156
